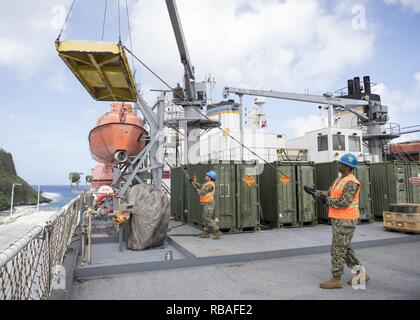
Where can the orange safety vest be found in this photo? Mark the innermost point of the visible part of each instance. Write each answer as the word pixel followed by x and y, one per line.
pixel 351 212
pixel 209 197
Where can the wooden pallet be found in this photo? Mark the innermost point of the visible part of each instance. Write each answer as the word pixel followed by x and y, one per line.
pixel 404 222
pixel 403 217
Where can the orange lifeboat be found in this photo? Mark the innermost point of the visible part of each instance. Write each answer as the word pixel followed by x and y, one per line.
pixel 102 175
pixel 118 134
pixel 406 147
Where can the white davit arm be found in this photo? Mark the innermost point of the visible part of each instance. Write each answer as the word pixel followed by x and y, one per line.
pixel 327 98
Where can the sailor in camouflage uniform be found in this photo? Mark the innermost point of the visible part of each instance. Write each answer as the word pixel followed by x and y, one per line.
pixel 342 200
pixel 207 192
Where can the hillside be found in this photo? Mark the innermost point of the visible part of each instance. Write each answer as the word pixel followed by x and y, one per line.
pixel 24 195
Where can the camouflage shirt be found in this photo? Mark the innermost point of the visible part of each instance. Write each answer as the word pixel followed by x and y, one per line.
pixel 203 190
pixel 349 192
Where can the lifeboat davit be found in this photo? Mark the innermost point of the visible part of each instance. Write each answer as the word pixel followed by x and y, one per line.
pixel 118 134
pixel 102 175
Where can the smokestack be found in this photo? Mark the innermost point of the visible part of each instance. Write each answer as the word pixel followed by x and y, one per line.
pixel 367 84
pixel 350 86
pixel 357 88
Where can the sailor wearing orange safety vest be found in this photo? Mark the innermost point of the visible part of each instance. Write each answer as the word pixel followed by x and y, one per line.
pixel 342 200
pixel 207 192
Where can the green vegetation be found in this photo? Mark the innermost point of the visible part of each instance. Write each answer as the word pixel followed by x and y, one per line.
pixel 24 194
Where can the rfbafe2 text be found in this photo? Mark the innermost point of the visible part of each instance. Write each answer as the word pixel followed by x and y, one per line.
pixel 215 309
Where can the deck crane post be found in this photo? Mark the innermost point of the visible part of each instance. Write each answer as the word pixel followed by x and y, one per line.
pixel 193 97
pixel 374 117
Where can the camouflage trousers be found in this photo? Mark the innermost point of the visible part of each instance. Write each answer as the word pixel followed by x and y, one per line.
pixel 209 223
pixel 341 250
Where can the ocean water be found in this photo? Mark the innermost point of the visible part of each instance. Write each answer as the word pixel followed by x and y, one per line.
pixel 60 196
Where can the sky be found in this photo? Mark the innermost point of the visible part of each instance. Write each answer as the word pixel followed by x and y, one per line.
pixel 285 45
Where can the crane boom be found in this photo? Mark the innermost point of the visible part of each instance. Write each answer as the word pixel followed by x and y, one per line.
pixel 327 99
pixel 189 76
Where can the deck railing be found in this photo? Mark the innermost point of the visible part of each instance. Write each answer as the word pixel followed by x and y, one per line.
pixel 27 266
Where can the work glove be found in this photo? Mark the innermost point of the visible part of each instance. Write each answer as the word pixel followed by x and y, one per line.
pixel 309 190
pixel 322 197
pixel 193 183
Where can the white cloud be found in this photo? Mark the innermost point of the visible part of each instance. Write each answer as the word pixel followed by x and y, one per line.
pixel 417 78
pixel 402 105
pixel 58 81
pixel 287 45
pixel 300 125
pixel 409 4
pixel 27 35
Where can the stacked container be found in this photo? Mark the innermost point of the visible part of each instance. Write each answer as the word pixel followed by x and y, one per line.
pixel 284 203
pixel 413 170
pixel 325 175
pixel 179 194
pixel 236 198
pixel 390 184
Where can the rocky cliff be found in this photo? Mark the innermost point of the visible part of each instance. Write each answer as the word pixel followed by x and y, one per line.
pixel 24 195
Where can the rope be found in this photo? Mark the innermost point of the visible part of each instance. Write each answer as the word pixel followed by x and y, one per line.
pixel 226 133
pixel 65 21
pixel 119 22
pixel 150 70
pixel 103 25
pixel 129 33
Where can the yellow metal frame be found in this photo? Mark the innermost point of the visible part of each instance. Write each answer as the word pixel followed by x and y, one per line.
pixel 101 67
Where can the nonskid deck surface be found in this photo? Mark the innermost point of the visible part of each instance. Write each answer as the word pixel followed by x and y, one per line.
pixel 274 240
pixel 394 272
pixel 193 255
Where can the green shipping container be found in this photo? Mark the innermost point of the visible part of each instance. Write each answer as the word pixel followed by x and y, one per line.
pixel 284 204
pixel 236 198
pixel 178 194
pixel 305 173
pixel 413 170
pixel 389 186
pixel 325 175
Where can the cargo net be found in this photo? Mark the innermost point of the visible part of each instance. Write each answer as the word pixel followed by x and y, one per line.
pixel 27 267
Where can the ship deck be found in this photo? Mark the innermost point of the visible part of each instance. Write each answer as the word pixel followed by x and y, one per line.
pixel 273 264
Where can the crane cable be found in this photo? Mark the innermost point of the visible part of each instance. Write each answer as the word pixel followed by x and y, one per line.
pixel 103 24
pixel 150 70
pixel 226 133
pixel 65 21
pixel 119 22
pixel 129 33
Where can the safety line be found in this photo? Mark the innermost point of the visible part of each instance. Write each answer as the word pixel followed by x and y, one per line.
pixel 65 21
pixel 103 25
pixel 205 116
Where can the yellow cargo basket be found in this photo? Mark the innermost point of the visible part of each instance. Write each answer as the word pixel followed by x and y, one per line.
pixel 101 67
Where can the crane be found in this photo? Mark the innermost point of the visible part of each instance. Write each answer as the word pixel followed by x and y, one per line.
pixel 375 114
pixel 192 98
pixel 326 99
